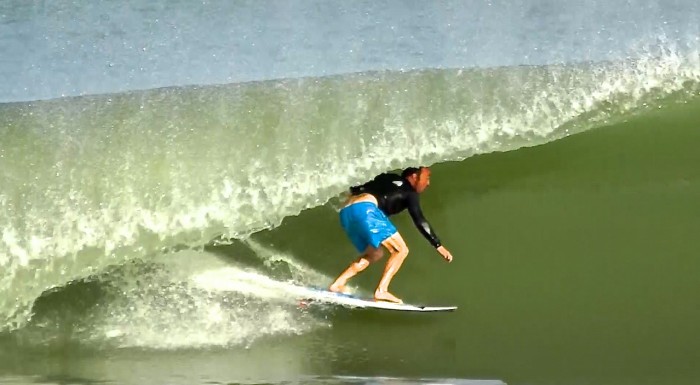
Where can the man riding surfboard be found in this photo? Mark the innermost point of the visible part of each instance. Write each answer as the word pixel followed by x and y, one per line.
pixel 364 219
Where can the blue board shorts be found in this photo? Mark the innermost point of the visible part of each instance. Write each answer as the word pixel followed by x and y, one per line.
pixel 365 224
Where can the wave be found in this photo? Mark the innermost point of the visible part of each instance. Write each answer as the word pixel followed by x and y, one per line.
pixel 183 299
pixel 98 181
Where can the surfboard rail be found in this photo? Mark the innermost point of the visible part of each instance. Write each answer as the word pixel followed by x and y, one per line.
pixel 349 300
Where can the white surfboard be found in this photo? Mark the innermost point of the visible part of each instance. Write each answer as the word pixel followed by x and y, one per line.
pixel 317 295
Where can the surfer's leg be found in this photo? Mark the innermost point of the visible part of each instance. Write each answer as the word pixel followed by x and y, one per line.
pixel 398 249
pixel 370 255
pixel 362 222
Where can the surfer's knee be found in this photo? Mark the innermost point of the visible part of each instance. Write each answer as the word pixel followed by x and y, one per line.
pixel 396 246
pixel 400 247
pixel 361 264
pixel 402 252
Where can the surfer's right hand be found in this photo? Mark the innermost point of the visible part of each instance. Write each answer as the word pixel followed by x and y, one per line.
pixel 445 253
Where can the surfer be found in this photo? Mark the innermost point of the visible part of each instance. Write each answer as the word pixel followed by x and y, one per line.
pixel 365 221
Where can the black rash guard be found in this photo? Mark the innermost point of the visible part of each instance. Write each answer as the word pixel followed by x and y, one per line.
pixel 395 194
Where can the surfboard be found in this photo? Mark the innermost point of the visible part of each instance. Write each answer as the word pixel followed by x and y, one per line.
pixel 351 301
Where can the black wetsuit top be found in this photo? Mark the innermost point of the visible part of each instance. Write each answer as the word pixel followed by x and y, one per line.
pixel 395 194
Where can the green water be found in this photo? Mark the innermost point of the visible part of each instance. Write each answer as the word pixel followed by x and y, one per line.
pixel 575 263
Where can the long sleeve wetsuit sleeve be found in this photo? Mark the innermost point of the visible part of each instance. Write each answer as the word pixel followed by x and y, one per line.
pixel 419 220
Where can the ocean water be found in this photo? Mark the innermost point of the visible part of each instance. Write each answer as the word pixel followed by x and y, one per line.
pixel 171 171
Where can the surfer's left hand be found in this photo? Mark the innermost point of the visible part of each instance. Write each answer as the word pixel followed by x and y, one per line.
pixel 445 253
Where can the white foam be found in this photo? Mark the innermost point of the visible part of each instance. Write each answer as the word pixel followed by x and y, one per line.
pixel 209 306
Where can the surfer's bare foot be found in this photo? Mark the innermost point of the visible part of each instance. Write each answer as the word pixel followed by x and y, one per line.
pixel 338 288
pixel 386 296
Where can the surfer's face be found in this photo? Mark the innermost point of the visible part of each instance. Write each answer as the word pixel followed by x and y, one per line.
pixel 421 179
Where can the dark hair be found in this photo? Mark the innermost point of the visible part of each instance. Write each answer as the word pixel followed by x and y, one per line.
pixel 410 171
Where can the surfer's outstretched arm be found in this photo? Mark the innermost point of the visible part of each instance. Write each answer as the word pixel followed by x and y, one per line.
pixel 421 223
pixel 424 227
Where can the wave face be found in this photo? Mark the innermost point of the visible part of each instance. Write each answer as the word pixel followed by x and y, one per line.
pixel 97 181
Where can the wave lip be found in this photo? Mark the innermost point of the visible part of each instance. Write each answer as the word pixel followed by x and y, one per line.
pixel 91 182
